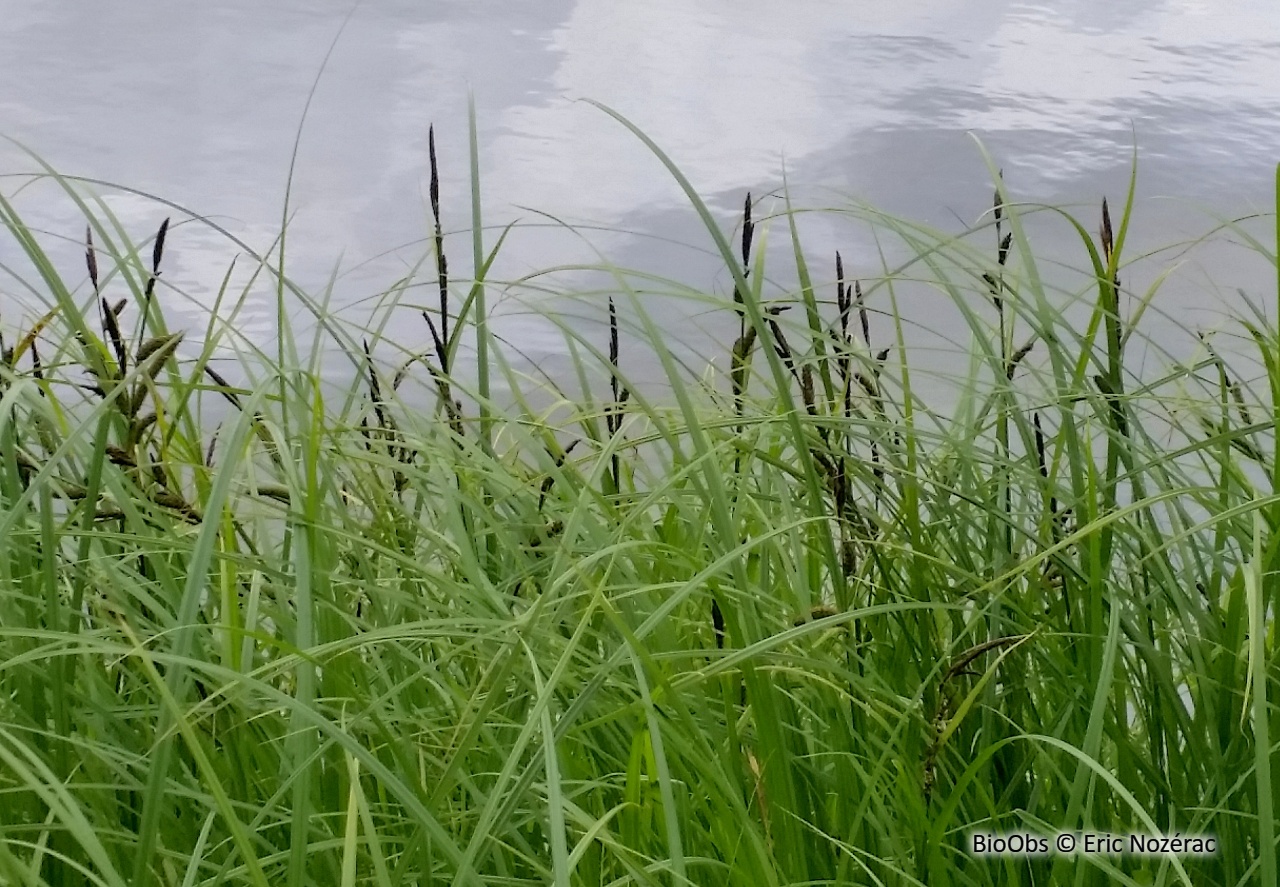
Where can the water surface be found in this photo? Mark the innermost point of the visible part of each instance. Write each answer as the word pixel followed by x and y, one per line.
pixel 202 104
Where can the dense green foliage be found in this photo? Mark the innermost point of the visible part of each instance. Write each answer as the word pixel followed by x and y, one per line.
pixel 791 624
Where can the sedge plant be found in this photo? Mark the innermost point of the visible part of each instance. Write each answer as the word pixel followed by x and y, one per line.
pixel 805 619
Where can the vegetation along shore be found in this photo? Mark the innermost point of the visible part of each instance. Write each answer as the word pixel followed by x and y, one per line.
pixel 792 622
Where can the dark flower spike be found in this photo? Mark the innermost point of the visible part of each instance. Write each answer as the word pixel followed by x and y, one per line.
pixel 112 326
pixel 1234 387
pixel 1017 358
pixel 442 264
pixel 843 303
pixel 157 251
pixel 997 208
pixel 862 313
pixel 91 259
pixel 37 366
pixel 1105 232
pixel 613 334
pixel 1044 465
pixel 434 186
pixel 620 391
pixel 748 230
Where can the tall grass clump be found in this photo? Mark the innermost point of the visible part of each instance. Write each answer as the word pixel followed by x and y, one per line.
pixel 808 619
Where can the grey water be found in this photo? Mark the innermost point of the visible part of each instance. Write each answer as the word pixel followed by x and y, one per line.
pixel 201 105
